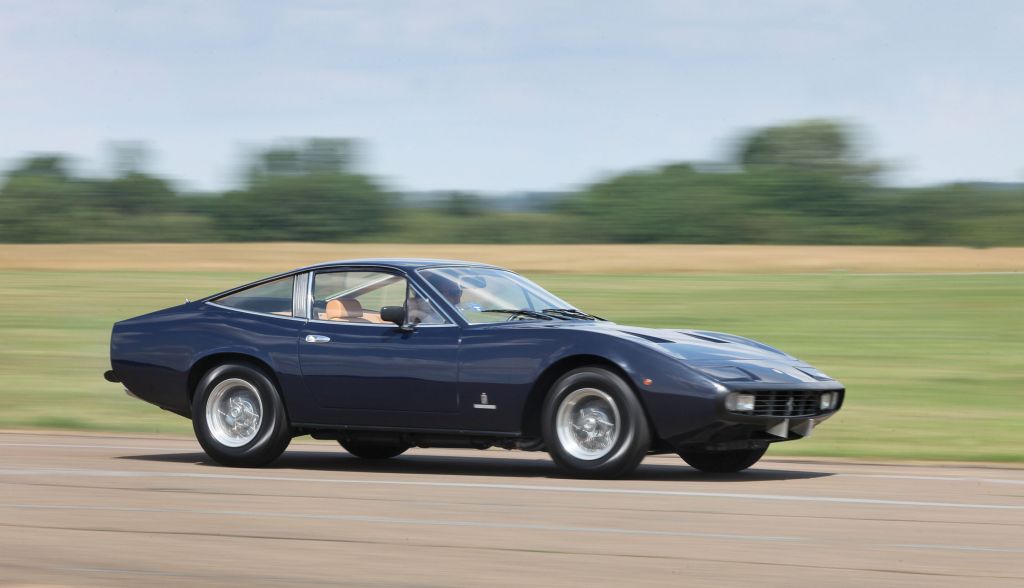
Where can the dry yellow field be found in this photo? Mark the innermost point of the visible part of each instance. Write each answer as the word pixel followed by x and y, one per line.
pixel 580 259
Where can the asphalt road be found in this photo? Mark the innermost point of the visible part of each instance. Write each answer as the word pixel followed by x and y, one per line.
pixel 128 510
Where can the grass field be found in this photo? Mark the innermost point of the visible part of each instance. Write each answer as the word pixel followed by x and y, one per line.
pixel 934 364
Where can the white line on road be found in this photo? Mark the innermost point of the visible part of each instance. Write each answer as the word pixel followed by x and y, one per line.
pixel 404 521
pixel 955 547
pixel 933 478
pixel 912 274
pixel 519 487
pixel 83 446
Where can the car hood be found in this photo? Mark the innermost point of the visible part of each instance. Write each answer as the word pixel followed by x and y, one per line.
pixel 690 344
pixel 705 350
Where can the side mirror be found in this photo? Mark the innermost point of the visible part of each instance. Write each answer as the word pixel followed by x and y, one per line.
pixel 395 314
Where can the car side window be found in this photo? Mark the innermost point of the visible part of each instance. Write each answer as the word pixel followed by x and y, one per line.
pixel 358 296
pixel 273 297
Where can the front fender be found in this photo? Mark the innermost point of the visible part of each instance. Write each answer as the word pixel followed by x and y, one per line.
pixel 512 366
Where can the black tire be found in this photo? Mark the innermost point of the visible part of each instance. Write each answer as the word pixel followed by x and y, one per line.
pixel 371 450
pixel 273 432
pixel 723 462
pixel 634 436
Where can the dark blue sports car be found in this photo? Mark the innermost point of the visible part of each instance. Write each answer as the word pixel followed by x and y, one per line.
pixel 387 354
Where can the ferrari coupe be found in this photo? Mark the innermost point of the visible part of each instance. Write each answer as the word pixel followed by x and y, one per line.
pixel 383 355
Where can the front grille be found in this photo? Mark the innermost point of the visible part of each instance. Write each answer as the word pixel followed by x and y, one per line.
pixel 785 403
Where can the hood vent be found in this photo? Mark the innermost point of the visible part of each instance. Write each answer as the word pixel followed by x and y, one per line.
pixel 703 337
pixel 650 338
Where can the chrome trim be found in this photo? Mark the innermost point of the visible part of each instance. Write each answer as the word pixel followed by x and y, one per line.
pixel 234 412
pixel 300 303
pixel 588 423
pixel 309 292
pixel 317 339
pixel 391 325
pixel 266 314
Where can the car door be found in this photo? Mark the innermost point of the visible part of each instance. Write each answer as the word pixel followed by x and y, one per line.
pixel 365 371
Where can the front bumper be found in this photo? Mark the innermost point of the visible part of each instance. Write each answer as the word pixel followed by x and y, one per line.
pixel 781 413
pixel 775 403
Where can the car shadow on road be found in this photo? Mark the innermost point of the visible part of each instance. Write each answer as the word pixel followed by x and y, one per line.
pixel 528 466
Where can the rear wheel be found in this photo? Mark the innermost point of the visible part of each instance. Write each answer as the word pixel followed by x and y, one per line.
pixel 238 416
pixel 593 424
pixel 371 450
pixel 722 462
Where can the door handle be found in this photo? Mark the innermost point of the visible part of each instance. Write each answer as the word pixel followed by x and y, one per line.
pixel 317 339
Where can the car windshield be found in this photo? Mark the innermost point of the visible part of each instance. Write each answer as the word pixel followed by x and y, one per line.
pixel 489 295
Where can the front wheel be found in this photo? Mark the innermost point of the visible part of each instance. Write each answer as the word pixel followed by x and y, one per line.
pixel 593 424
pixel 723 462
pixel 238 416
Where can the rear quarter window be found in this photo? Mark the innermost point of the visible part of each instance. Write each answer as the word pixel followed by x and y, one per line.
pixel 268 298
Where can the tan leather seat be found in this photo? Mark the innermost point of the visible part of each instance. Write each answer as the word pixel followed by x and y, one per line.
pixel 345 309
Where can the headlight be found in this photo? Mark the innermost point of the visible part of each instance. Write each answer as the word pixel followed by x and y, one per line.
pixel 828 400
pixel 739 402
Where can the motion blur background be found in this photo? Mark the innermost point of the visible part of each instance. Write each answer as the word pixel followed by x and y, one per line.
pixel 843 180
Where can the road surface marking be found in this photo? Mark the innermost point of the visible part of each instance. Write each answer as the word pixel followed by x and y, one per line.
pixel 83 446
pixel 955 547
pixel 933 478
pixel 405 521
pixel 498 486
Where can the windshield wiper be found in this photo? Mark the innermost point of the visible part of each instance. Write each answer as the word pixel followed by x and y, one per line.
pixel 521 312
pixel 572 313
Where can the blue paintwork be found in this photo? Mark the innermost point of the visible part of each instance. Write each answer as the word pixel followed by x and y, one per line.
pixel 377 376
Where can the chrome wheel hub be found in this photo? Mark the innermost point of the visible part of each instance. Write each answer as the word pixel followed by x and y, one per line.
pixel 234 412
pixel 587 423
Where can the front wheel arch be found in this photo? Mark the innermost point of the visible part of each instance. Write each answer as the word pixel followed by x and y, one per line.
pixel 633 437
pixel 542 386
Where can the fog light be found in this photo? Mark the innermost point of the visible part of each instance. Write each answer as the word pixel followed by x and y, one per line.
pixel 827 400
pixel 740 402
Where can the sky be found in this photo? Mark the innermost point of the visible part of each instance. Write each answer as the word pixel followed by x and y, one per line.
pixel 505 96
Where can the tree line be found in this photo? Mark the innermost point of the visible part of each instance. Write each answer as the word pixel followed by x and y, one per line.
pixel 803 182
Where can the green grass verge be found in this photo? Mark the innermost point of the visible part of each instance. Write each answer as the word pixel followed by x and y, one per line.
pixel 934 364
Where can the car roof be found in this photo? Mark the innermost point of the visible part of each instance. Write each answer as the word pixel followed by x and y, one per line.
pixel 402 263
pixel 405 263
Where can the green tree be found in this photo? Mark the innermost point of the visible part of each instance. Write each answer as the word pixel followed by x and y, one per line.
pixel 462 204
pixel 816 145
pixel 675 203
pixel 310 156
pixel 306 193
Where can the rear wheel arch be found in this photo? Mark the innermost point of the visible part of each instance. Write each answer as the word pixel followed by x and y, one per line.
pixel 238 415
pixel 204 364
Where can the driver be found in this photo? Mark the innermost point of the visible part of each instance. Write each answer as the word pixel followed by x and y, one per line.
pixel 450 290
pixel 453 292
